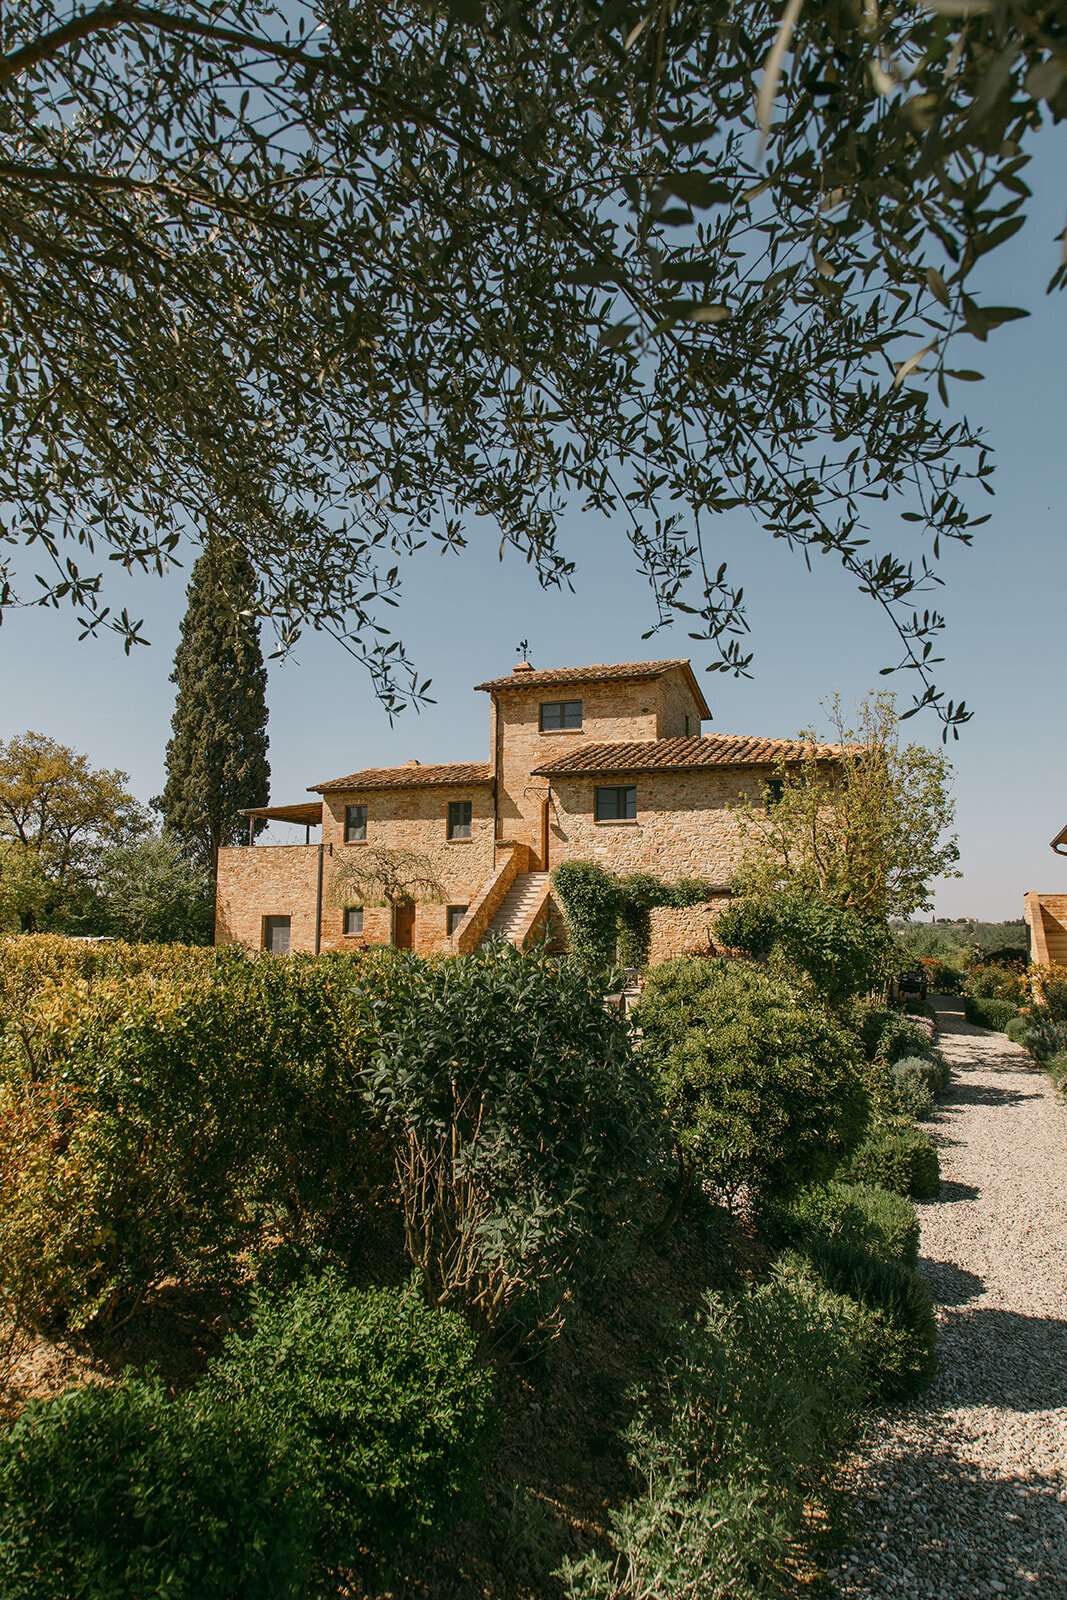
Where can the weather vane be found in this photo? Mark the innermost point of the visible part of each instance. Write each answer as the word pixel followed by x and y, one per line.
pixel 522 649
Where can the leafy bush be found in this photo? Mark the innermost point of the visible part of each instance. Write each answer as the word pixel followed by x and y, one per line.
pixel 589 897
pixel 1053 997
pixel 1056 1067
pixel 122 1494
pixel 902 1160
pixel 386 1411
pixel 522 1122
pixel 912 1093
pixel 1017 1028
pixel 941 978
pixel 834 949
pixel 1009 955
pixel 636 896
pixel 856 1213
pixel 932 1069
pixel 998 981
pixel 1044 1037
pixel 888 1036
pixel 995 1014
pixel 900 1347
pixel 755 1399
pixel 161 1113
pixel 762 1089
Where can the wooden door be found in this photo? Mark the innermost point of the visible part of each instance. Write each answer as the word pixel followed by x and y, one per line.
pixel 404 927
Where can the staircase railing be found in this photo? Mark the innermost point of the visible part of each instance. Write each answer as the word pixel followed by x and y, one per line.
pixel 472 930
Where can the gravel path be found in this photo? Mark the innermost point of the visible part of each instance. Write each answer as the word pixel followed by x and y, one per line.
pixel 964 1493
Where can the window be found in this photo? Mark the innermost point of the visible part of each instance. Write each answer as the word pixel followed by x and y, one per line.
pixel 355 824
pixel 617 804
pixel 459 819
pixel 773 792
pixel 687 726
pixel 455 917
pixel 276 935
pixel 353 919
pixel 560 714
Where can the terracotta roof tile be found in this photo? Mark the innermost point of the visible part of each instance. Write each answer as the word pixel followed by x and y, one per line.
pixel 626 671
pixel 460 774
pixel 679 755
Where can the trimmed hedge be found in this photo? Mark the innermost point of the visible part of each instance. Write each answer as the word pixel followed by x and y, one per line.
pixel 123 1494
pixel 902 1160
pixel 389 1415
pixel 858 1213
pixel 989 1013
pixel 900 1348
pixel 1016 1027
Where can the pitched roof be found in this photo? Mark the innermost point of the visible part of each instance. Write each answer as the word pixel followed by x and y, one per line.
pixel 623 672
pixel 680 755
pixel 460 774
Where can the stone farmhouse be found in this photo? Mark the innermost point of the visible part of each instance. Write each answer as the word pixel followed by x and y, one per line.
pixel 598 763
pixel 1046 918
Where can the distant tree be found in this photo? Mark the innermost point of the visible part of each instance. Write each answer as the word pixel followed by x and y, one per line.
pixel 150 891
pixel 867 830
pixel 55 812
pixel 217 759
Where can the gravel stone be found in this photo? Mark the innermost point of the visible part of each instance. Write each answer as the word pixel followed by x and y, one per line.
pixel 963 1493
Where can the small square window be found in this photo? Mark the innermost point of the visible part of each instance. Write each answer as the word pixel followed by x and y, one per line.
pixel 617 804
pixel 355 824
pixel 773 792
pixel 455 917
pixel 276 935
pixel 560 714
pixel 459 819
pixel 353 920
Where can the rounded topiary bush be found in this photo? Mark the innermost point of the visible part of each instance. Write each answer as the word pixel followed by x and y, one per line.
pixel 762 1087
pixel 391 1414
pixel 888 1036
pixel 902 1160
pixel 860 1214
pixel 912 1093
pixel 989 1013
pixel 1016 1027
pixel 901 1346
pixel 123 1494
pixel 933 1070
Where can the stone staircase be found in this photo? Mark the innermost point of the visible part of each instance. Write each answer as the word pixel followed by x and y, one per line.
pixel 522 908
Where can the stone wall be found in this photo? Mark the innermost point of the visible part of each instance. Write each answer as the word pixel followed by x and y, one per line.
pixel 684 930
pixel 408 819
pixel 257 881
pixel 684 828
pixel 612 713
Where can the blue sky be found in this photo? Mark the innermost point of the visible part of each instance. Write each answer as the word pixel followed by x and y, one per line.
pixel 462 618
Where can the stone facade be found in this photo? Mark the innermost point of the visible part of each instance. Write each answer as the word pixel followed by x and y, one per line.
pixel 684 826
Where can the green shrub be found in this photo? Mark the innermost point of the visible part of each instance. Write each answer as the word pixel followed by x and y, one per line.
pixel 859 1214
pixel 159 1117
pixel 996 981
pixel 381 1398
pixel 902 1160
pixel 1045 1037
pixel 761 1087
pixel 1054 998
pixel 523 1124
pixel 1017 1028
pixel 888 1036
pixel 122 1494
pixel 932 1069
pixel 995 1014
pixel 1056 1067
pixel 912 1093
pixel 900 1348
pixel 827 944
pixel 755 1400
pixel 589 898
pixel 941 978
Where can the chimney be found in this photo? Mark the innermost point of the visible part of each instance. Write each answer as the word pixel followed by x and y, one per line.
pixel 522 666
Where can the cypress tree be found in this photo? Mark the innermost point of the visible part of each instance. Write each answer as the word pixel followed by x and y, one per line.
pixel 217 758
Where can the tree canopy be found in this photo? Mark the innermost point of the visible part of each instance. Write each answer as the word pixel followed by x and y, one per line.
pixel 217 758
pixel 867 828
pixel 348 278
pixel 55 813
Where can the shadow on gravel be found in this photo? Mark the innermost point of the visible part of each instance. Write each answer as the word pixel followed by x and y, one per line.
pixel 952 1532
pixel 985 1094
pixel 951 1190
pixel 949 1284
pixel 1000 1358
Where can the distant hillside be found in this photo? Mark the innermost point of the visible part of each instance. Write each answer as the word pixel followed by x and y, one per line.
pixel 952 940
